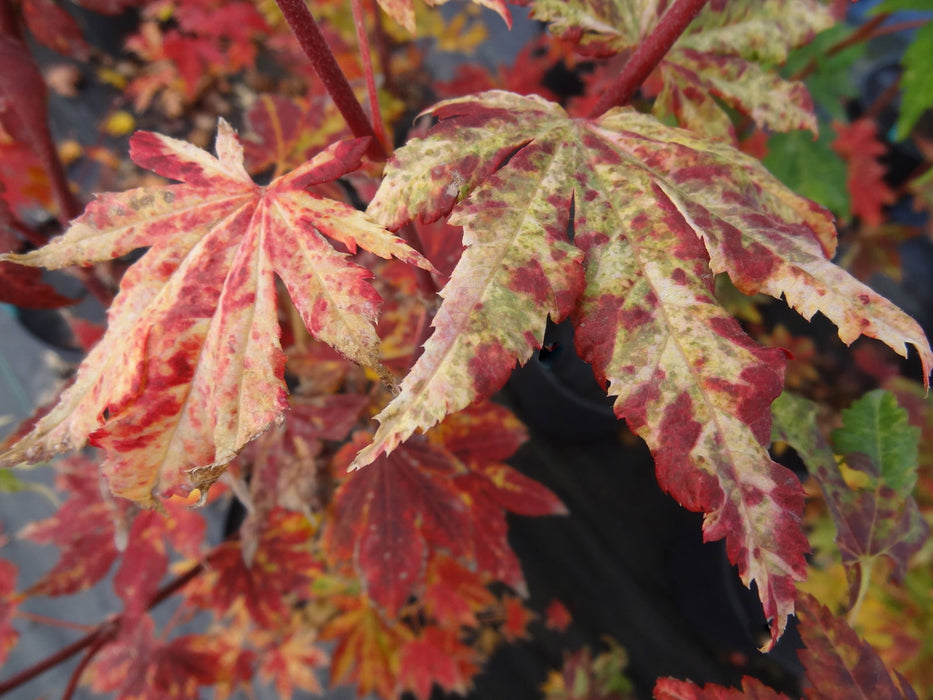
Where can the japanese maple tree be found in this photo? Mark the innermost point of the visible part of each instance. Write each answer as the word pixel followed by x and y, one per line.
pixel 302 277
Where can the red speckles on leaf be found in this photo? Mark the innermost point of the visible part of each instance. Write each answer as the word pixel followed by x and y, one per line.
pixel 190 369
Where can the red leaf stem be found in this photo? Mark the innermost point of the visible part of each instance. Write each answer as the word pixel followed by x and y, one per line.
pixel 366 59
pixel 648 55
pixel 325 66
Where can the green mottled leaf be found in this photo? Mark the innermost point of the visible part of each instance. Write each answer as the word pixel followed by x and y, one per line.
pixel 880 519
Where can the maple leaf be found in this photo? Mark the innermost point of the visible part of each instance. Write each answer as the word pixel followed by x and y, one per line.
pixel 9 635
pixel 289 663
pixel 719 56
pixel 278 575
pixel 367 649
pixel 282 465
pixel 881 519
pixel 137 666
pixel 857 143
pixel 752 689
pixel 387 518
pixel 190 369
pixel 840 665
pixel 656 212
pixel 448 492
pixel 84 528
pixel 436 657
pixel 403 11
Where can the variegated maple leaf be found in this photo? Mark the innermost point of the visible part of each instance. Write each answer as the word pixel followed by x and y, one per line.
pixel 190 369
pixel 403 11
pixel 719 57
pixel 656 211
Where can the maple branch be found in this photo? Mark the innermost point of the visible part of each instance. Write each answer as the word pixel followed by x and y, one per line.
pixel 102 639
pixel 366 58
pixel 97 637
pixel 325 67
pixel 62 655
pixel 648 54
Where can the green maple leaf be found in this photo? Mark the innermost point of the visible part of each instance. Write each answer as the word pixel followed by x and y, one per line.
pixel 882 518
pixel 655 213
pixel 723 55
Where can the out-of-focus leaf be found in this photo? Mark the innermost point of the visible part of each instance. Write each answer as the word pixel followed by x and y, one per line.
pixel 859 146
pixel 9 635
pixel 839 665
pixel 811 168
pixel 882 518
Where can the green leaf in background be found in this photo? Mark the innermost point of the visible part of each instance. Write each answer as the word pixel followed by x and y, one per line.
pixel 829 75
pixel 916 82
pixel 895 5
pixel 916 85
pixel 877 427
pixel 11 483
pixel 811 168
pixel 881 518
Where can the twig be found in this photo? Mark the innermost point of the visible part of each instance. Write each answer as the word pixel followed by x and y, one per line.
pixel 103 633
pixel 325 66
pixel 648 54
pixel 102 639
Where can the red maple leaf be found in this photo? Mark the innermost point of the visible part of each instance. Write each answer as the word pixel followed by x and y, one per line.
pixel 146 557
pixel 857 143
pixel 289 663
pixel 367 649
pixel 389 517
pixel 84 529
pixel 137 666
pixel 443 493
pixel 278 576
pixel 437 657
pixel 557 616
pixel 9 635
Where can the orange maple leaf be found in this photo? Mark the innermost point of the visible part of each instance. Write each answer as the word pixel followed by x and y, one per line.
pixel 191 369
